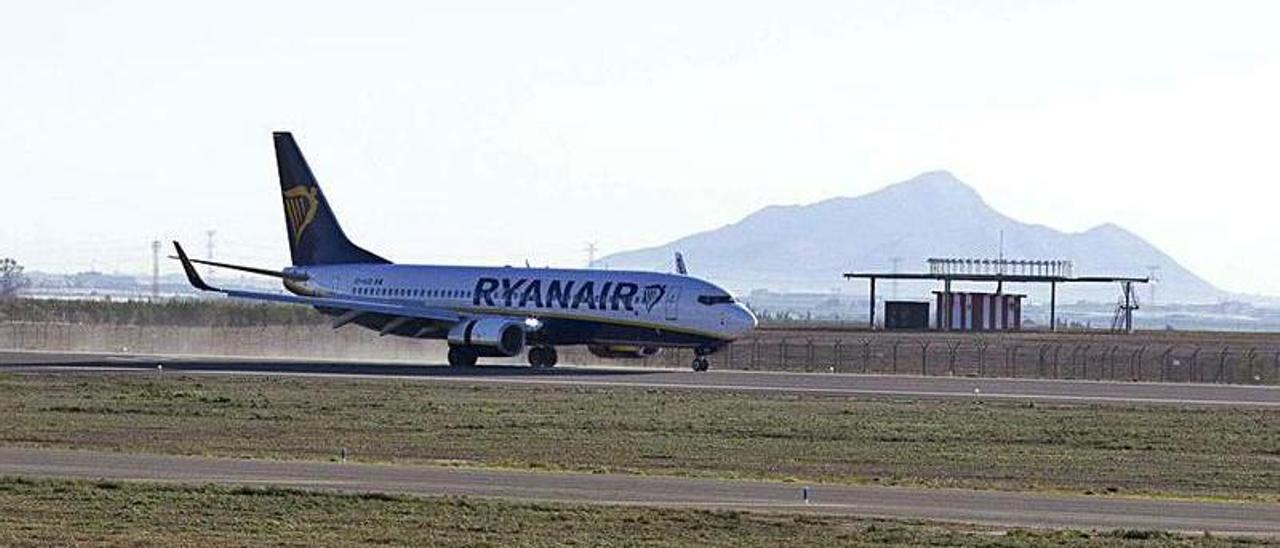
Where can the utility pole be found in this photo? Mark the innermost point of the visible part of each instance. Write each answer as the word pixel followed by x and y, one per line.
pixel 1151 283
pixel 155 270
pixel 591 254
pixel 208 250
pixel 893 289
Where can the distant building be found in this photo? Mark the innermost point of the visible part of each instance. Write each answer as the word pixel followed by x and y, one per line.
pixel 972 311
pixel 906 315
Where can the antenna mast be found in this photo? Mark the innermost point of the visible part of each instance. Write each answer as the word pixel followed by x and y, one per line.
pixel 591 254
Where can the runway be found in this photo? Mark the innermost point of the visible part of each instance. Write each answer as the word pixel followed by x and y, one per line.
pixel 985 507
pixel 882 386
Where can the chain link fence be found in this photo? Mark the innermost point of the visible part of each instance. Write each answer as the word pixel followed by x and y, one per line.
pixel 1139 358
pixel 1129 358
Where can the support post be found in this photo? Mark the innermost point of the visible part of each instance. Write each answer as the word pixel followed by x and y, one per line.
pixel 1128 307
pixel 1053 306
pixel 872 323
pixel 947 299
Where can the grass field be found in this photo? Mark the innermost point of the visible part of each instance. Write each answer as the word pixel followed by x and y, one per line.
pixel 1100 449
pixel 48 512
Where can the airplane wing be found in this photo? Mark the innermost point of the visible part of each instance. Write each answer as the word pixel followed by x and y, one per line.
pixel 353 307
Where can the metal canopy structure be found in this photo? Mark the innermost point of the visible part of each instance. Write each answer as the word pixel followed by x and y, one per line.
pixel 999 271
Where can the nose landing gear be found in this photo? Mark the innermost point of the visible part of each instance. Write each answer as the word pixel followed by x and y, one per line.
pixel 700 361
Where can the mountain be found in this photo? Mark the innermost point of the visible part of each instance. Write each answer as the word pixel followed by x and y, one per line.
pixel 807 247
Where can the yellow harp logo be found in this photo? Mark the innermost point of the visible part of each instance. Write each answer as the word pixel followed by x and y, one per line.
pixel 300 204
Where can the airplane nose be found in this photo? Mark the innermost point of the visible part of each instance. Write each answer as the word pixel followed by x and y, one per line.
pixel 743 321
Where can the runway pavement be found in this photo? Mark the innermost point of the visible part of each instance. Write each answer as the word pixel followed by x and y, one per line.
pixel 904 386
pixel 986 507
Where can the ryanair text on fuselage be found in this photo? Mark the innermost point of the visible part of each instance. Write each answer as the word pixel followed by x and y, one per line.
pixel 562 294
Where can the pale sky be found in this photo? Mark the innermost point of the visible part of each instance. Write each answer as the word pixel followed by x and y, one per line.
pixel 491 133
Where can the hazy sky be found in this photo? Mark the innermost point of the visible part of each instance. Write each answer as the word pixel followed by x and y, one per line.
pixel 494 132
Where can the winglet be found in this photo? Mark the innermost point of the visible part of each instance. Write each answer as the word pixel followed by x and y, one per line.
pixel 192 276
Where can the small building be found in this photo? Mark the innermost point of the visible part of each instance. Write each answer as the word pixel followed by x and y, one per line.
pixel 973 311
pixel 906 315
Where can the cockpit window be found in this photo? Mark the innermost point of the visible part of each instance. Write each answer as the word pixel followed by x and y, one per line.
pixel 715 299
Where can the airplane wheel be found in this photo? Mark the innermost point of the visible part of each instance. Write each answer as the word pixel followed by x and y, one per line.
pixel 701 364
pixel 535 357
pixel 552 356
pixel 460 356
pixel 543 356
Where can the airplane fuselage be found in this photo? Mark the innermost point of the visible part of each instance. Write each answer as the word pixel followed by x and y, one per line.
pixel 572 306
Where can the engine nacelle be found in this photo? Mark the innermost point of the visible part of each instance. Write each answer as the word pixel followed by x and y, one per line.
pixel 494 337
pixel 623 352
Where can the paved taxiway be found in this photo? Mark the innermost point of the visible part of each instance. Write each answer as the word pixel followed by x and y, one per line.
pixel 904 386
pixel 988 507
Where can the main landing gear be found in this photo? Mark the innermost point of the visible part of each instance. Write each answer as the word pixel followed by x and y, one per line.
pixel 700 361
pixel 543 356
pixel 461 356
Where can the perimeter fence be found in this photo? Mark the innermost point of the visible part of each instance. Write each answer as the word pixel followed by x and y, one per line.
pixel 1149 357
pixel 1127 358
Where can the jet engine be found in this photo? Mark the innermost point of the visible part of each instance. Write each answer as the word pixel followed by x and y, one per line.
pixel 489 337
pixel 623 352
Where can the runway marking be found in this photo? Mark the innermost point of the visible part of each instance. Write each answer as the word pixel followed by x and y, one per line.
pixel 945 394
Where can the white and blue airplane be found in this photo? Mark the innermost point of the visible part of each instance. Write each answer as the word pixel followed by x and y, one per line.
pixel 484 311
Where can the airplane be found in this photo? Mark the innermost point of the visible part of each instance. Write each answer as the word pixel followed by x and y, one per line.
pixel 483 312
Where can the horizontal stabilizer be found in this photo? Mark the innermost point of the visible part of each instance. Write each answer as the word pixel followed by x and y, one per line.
pixel 334 303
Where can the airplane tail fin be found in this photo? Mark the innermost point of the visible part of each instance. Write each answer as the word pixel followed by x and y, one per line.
pixel 315 238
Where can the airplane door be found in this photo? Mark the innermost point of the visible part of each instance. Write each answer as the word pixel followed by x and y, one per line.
pixel 671 305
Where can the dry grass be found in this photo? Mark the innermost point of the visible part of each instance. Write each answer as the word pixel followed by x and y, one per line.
pixel 1228 453
pixel 41 513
